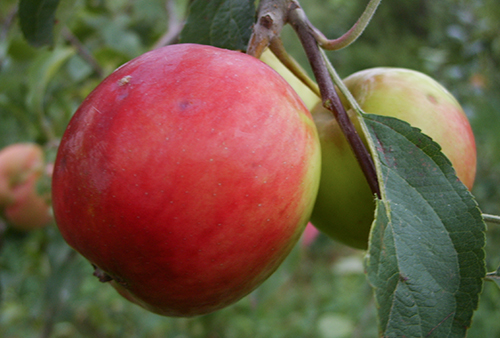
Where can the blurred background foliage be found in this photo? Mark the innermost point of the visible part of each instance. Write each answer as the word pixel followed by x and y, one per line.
pixel 47 290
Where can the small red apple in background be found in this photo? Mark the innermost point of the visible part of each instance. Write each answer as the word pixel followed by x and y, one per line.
pixel 22 165
pixel 17 163
pixel 186 177
pixel 309 236
pixel 345 206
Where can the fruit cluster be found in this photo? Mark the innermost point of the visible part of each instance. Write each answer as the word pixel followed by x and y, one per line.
pixel 188 175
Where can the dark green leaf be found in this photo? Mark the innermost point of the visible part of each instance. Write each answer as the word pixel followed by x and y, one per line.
pixel 426 259
pixel 37 19
pixel 220 23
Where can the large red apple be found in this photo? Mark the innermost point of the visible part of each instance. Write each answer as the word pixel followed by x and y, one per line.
pixel 186 177
pixel 22 165
pixel 345 206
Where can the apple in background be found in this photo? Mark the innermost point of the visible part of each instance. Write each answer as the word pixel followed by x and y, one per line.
pixel 22 165
pixel 345 206
pixel 186 177
pixel 18 162
pixel 309 235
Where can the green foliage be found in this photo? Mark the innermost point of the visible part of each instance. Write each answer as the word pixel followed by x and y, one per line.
pixel 47 290
pixel 426 258
pixel 37 20
pixel 221 23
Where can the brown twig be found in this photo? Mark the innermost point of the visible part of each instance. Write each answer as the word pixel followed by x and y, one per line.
pixel 4 29
pixel 174 28
pixel 83 51
pixel 272 16
pixel 266 33
pixel 331 100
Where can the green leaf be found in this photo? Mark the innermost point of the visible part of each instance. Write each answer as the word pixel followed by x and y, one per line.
pixel 426 258
pixel 37 19
pixel 44 67
pixel 220 23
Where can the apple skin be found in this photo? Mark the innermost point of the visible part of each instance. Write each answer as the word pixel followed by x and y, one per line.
pixel 345 207
pixel 186 177
pixel 22 165
pixel 424 103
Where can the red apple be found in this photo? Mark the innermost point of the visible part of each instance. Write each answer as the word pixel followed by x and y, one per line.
pixel 186 177
pixel 21 167
pixel 17 162
pixel 345 206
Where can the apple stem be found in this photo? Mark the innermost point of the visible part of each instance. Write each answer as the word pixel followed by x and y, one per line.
pixel 337 81
pixel 273 15
pixel 276 46
pixel 331 100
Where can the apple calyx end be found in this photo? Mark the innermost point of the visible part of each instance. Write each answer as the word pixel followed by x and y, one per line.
pixel 103 276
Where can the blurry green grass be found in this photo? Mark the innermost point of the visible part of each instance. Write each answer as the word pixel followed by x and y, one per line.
pixel 319 291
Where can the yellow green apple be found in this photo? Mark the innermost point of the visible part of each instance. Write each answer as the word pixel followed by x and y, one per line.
pixel 344 208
